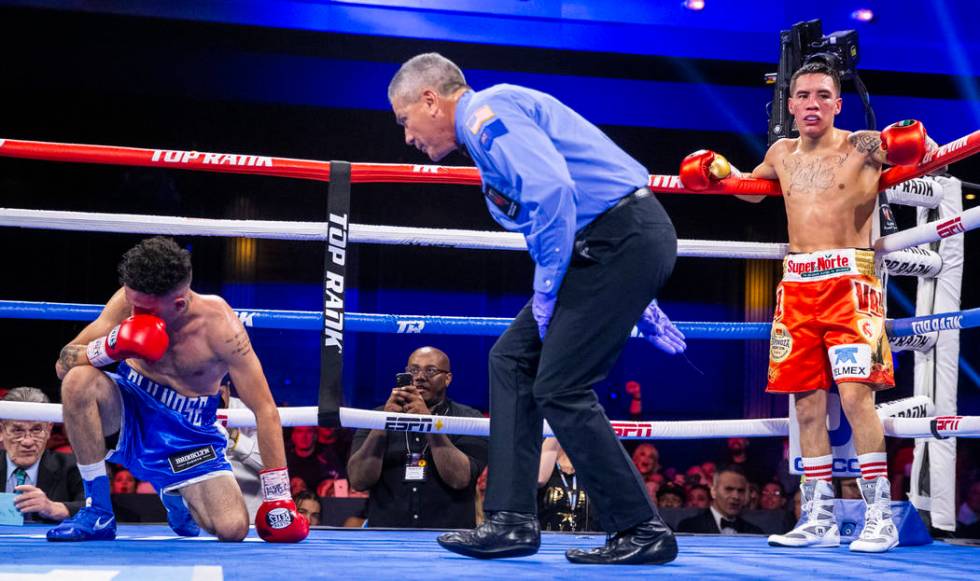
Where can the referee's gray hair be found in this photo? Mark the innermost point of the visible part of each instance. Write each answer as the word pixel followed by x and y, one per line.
pixel 429 70
pixel 26 394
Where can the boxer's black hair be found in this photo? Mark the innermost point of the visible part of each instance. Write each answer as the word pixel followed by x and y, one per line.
pixel 155 266
pixel 815 68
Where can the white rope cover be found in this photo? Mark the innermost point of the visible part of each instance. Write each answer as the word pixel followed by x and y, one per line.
pixel 922 192
pixel 914 262
pixel 902 427
pixel 311 231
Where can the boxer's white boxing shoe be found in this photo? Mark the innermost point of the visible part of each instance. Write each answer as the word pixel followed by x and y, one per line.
pixel 820 527
pixel 879 533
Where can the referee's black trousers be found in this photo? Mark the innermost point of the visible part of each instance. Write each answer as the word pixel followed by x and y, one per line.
pixel 631 252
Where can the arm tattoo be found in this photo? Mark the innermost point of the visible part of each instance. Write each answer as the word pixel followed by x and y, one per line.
pixel 241 346
pixel 866 143
pixel 71 356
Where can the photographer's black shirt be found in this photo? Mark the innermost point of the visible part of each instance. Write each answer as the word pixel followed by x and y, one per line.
pixel 431 504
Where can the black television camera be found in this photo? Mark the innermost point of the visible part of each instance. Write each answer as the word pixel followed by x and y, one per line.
pixel 806 43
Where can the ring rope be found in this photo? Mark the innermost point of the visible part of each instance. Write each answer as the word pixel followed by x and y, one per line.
pixel 411 173
pixel 314 231
pixel 486 326
pixel 930 231
pixel 940 427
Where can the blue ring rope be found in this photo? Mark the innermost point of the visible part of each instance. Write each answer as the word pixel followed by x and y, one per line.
pixel 485 326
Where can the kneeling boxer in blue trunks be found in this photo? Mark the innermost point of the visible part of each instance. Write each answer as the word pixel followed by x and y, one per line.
pixel 156 413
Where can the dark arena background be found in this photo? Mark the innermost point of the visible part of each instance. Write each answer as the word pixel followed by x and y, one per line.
pixel 307 79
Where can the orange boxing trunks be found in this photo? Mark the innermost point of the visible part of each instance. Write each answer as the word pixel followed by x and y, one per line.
pixel 829 323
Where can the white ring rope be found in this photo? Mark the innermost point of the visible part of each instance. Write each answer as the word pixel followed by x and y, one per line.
pixel 311 231
pixel 901 427
pixel 923 192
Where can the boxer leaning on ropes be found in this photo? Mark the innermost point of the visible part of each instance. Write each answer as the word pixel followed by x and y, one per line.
pixel 829 318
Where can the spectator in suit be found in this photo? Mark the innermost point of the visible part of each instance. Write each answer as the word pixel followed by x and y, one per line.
pixel 48 483
pixel 729 494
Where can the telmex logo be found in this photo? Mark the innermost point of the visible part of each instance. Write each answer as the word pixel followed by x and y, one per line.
pixel 419 168
pixel 396 424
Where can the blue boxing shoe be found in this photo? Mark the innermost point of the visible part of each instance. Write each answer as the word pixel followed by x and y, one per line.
pixel 179 516
pixel 89 524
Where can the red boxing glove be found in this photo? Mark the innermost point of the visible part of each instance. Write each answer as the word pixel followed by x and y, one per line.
pixel 140 336
pixel 701 169
pixel 904 143
pixel 277 520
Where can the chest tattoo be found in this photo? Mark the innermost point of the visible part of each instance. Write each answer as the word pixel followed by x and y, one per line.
pixel 812 174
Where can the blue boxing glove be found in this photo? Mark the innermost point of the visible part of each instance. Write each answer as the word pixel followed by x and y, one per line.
pixel 542 307
pixel 657 329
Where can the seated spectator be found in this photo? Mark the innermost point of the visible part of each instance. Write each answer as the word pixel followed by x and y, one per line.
pixel 420 480
pixel 729 494
pixel 698 496
pixel 968 514
pixel 123 482
pixel 563 504
pixel 49 484
pixel 308 506
pixel 772 497
pixel 670 495
pixel 647 460
pixel 296 485
pixel 695 475
pixel 653 487
pixel 755 468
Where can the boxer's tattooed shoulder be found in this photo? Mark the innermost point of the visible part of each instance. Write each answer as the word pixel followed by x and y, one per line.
pixel 71 356
pixel 865 142
pixel 239 344
pixel 812 174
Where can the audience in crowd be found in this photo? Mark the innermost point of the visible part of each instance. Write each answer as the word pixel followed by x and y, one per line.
pixel 729 494
pixel 420 480
pixel 48 484
pixel 754 467
pixel 698 496
pixel 308 506
pixel 123 482
pixel 671 495
pixel 968 514
pixel 647 461
pixel 772 497
pixel 563 504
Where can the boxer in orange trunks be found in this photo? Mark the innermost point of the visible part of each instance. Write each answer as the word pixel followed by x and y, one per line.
pixel 829 323
pixel 829 319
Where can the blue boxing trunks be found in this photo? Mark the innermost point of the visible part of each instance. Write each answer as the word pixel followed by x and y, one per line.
pixel 165 438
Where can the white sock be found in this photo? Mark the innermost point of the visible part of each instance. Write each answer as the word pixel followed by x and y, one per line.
pixel 92 471
pixel 873 465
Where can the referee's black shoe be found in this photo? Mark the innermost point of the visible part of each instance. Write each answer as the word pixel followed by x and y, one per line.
pixel 504 534
pixel 648 543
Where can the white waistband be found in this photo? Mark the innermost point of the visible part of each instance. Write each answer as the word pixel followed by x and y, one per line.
pixel 826 264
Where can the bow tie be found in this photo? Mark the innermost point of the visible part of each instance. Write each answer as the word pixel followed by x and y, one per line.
pixel 728 523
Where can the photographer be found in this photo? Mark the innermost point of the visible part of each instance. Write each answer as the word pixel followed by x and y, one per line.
pixel 419 480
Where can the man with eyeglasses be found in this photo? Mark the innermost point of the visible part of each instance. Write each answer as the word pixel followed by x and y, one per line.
pixel 48 484
pixel 420 480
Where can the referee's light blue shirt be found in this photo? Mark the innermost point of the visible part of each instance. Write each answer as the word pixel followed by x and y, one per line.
pixel 546 171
